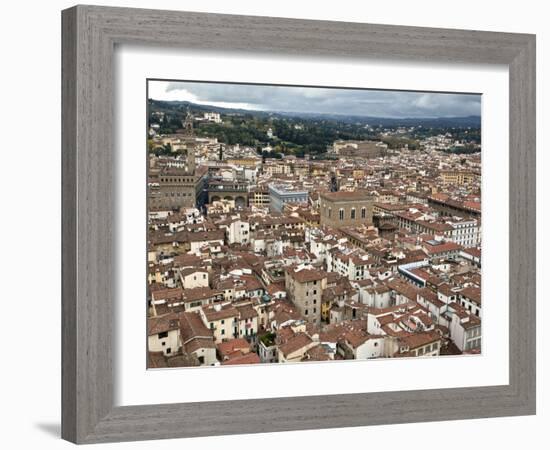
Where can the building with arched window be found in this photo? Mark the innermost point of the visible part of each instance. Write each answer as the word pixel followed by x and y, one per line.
pixel 354 208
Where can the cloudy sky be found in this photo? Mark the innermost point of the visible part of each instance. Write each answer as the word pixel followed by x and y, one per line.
pixel 317 100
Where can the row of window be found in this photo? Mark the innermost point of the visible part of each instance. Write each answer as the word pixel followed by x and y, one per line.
pixel 248 332
pixel 353 213
pixel 176 180
pixel 464 231
pixel 178 194
pixel 474 332
pixel 429 348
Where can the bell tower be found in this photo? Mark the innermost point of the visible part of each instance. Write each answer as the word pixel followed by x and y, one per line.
pixel 187 124
pixel 191 158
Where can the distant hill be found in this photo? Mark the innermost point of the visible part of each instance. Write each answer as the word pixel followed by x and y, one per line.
pixel 432 122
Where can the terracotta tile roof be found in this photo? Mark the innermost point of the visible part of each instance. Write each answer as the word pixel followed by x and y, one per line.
pixel 228 347
pixel 345 196
pixel 167 294
pixel 200 293
pixel 317 353
pixel 295 343
pixel 472 293
pixel 416 340
pixel 246 311
pixel 162 324
pixel 403 288
pixel 249 358
pixel 431 297
pixel 441 248
pixel 213 312
pixel 306 275
pixel 156 360
pixel 198 343
pixel 475 252
pixel 192 326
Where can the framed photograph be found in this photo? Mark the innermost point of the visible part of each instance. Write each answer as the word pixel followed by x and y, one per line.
pixel 266 230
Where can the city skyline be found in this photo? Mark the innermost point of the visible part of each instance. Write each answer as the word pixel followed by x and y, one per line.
pixel 276 239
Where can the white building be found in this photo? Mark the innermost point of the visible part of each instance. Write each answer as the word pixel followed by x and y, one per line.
pixel 352 264
pixel 466 232
pixel 212 117
pixel 365 347
pixel 222 320
pixel 376 296
pixel 465 329
pixel 238 232
pixel 163 334
pixel 192 278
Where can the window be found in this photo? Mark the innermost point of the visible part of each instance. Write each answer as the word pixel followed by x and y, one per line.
pixel 363 213
pixel 341 214
pixel 353 213
pixel 168 350
pixel 329 212
pixel 306 312
pixel 223 331
pixel 163 335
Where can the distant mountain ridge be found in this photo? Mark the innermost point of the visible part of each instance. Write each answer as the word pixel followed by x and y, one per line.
pixel 434 122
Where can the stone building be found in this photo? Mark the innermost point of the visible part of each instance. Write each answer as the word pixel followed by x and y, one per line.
pixel 305 288
pixel 342 209
pixel 184 186
pixel 362 149
pixel 177 188
pixel 457 177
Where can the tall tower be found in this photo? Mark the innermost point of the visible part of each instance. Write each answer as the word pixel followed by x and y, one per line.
pixel 333 182
pixel 190 143
pixel 191 158
pixel 188 125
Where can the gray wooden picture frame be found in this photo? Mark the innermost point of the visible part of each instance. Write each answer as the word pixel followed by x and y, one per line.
pixel 90 34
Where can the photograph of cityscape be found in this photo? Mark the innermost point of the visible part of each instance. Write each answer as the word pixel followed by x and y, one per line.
pixel 294 224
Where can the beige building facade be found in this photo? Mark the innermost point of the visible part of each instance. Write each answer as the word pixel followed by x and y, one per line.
pixel 344 209
pixel 305 288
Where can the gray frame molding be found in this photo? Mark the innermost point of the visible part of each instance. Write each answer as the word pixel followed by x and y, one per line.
pixel 89 36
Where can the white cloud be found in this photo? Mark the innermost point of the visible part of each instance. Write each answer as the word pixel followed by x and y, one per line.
pixel 159 91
